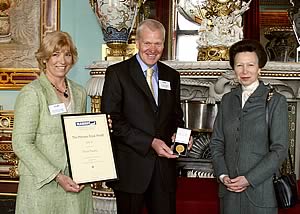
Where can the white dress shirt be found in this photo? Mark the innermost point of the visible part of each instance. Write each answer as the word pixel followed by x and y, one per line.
pixel 248 90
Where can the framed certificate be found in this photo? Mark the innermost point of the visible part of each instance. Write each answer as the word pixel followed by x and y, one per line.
pixel 88 147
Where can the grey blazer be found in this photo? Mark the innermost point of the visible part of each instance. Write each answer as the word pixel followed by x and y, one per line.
pixel 240 145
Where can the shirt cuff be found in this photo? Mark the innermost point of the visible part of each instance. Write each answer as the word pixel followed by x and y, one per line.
pixel 221 177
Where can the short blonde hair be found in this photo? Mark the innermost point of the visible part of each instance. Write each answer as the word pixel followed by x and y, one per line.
pixel 52 42
pixel 153 25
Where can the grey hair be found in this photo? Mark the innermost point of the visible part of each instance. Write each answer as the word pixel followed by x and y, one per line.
pixel 153 25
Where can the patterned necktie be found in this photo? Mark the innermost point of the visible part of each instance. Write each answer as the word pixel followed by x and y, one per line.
pixel 149 79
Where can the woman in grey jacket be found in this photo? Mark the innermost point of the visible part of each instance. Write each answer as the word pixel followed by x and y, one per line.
pixel 245 156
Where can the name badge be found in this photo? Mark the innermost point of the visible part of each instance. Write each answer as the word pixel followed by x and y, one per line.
pixel 57 108
pixel 164 85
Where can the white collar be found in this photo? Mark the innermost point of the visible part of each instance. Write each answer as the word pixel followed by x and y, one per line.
pixel 251 88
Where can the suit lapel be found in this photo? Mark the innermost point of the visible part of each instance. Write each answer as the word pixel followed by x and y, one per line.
pixel 162 75
pixel 138 77
pixel 76 97
pixel 261 89
pixel 257 94
pixel 238 93
pixel 50 94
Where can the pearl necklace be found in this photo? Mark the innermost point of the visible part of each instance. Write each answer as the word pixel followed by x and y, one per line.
pixel 65 93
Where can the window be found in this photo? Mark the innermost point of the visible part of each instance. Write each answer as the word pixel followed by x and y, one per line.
pixel 187 35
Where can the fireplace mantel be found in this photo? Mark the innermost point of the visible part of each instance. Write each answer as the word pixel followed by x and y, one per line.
pixel 208 81
pixel 209 68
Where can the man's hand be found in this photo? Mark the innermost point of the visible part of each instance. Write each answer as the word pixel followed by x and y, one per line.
pixel 162 149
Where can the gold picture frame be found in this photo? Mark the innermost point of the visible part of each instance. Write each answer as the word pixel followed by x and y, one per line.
pixel 14 78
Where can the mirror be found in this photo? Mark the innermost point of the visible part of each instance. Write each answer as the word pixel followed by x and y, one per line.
pixel 294 15
pixel 263 17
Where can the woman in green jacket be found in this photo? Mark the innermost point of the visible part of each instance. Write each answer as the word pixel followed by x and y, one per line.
pixel 45 185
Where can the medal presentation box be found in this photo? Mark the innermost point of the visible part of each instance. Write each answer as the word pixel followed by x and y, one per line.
pixel 182 141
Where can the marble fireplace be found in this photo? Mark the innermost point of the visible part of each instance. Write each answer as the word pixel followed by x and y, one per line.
pixel 203 83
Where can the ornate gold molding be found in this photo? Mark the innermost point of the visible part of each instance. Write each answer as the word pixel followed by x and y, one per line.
pixel 7 156
pixel 95 104
pixel 118 52
pixel 5 147
pixel 50 16
pixel 216 53
pixel 101 190
pixel 6 119
pixel 16 78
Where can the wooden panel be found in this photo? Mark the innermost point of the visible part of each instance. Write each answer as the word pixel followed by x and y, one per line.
pixel 16 78
pixel 271 19
pixel 8 187
pixel 8 160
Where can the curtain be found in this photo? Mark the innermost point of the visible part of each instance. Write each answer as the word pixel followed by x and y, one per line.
pixel 251 21
pixel 162 14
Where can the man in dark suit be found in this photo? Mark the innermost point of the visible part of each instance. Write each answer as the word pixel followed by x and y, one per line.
pixel 145 117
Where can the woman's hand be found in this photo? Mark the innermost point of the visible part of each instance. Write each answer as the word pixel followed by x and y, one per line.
pixel 238 184
pixel 226 180
pixel 67 183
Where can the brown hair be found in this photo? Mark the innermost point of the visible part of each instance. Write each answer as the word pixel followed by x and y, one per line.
pixel 53 42
pixel 248 45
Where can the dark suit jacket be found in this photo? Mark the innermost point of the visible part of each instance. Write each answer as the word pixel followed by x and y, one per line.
pixel 241 147
pixel 137 120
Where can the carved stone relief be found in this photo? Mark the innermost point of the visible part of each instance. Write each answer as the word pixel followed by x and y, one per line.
pixel 25 32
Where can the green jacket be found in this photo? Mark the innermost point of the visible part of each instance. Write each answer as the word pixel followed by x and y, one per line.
pixel 39 144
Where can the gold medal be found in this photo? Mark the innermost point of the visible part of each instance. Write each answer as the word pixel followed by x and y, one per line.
pixel 179 148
